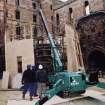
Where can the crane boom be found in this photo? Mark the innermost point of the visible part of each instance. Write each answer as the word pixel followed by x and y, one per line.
pixel 57 64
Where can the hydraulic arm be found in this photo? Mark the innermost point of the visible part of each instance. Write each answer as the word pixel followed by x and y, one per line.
pixel 57 64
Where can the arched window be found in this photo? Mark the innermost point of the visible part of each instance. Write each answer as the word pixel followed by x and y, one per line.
pixel 87 8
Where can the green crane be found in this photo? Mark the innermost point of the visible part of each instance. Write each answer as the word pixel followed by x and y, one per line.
pixel 62 80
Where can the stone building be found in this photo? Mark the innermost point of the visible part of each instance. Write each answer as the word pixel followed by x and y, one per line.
pixel 84 32
pixel 22 31
pixel 21 27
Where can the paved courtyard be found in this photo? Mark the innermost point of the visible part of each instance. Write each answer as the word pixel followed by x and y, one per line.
pixel 6 95
pixel 93 96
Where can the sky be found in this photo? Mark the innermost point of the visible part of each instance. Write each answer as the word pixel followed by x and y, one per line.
pixel 63 0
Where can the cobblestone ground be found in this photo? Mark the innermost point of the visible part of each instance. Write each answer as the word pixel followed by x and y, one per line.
pixel 5 95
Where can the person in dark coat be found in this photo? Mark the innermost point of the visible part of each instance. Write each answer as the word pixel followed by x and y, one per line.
pixel 41 79
pixel 35 80
pixel 41 74
pixel 28 80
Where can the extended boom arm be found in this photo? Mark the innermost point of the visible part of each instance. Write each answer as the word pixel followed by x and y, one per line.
pixel 58 67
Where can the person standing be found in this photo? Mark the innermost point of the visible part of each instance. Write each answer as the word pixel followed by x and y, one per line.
pixel 35 80
pixel 42 79
pixel 28 79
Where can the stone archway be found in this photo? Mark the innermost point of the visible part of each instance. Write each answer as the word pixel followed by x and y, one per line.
pixel 96 61
pixel 91 32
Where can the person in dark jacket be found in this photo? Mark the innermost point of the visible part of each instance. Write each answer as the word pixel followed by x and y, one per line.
pixel 41 74
pixel 35 80
pixel 28 80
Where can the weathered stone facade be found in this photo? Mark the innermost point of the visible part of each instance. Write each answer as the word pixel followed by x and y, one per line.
pixel 22 22
pixel 70 14
pixel 91 33
pixel 24 28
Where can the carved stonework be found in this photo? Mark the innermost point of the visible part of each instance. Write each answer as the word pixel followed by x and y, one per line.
pixel 91 31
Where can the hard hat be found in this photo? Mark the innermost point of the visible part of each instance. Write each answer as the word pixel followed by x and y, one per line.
pixel 40 66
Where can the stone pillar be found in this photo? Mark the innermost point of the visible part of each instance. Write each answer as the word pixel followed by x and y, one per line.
pixel 5 80
pixel 71 50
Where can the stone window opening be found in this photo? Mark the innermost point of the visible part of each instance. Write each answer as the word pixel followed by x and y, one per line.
pixel 17 2
pixel 52 18
pixel 52 23
pixel 57 22
pixel 34 18
pixel 70 14
pixel 19 32
pixel 7 13
pixel 35 31
pixel 19 64
pixel 87 8
pixel 34 5
pixel 51 7
pixel 57 19
pixel 17 14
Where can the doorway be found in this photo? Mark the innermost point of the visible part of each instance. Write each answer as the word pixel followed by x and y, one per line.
pixel 96 62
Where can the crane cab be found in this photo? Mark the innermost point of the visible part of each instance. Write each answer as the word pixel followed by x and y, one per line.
pixel 77 82
pixel 72 81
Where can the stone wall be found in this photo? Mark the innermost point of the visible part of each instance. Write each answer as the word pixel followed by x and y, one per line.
pixel 71 56
pixel 26 19
pixel 78 11
pixel 47 8
pixel 19 45
pixel 91 32
pixel 51 8
pixel 96 5
pixel 23 48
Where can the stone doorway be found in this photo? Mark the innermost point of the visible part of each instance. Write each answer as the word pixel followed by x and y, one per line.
pixel 91 32
pixel 96 62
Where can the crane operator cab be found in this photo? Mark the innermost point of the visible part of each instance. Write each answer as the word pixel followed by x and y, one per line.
pixel 79 81
pixel 72 82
